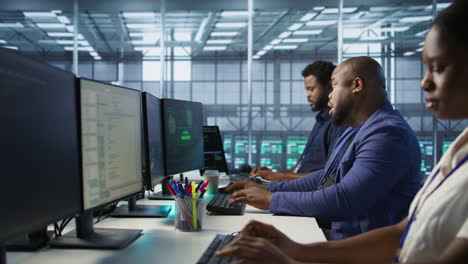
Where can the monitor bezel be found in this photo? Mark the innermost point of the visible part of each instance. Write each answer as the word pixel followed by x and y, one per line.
pixel 148 180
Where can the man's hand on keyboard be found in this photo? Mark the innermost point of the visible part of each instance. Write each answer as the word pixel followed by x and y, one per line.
pixel 258 229
pixel 268 175
pixel 255 196
pixel 254 250
pixel 240 185
pixel 255 171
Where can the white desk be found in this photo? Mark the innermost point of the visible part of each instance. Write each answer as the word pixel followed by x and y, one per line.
pixel 162 243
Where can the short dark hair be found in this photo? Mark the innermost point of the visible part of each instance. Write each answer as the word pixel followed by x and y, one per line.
pixel 322 70
pixel 452 22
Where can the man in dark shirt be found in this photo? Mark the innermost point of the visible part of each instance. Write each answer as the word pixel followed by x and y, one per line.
pixel 323 136
pixel 375 164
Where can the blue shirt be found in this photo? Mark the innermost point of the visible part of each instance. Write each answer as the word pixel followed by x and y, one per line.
pixel 376 180
pixel 321 140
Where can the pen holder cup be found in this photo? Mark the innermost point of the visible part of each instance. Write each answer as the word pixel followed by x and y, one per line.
pixel 188 214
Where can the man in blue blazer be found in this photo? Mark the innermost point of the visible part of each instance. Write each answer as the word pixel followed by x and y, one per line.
pixel 376 162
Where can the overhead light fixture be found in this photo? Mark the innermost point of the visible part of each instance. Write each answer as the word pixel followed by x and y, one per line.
pixel 39 14
pixel 79 48
pixel 308 17
pixel 64 34
pixel 10 47
pixel 219 41
pixel 138 14
pixel 141 26
pixel 295 40
pixel 422 33
pixel 439 6
pixel 394 29
pixel 2 41
pixel 94 54
pixel 285 47
pixel 70 42
pixel 97 58
pixel 307 32
pixel 261 52
pixel 70 28
pixel 420 49
pixel 421 43
pixel 234 13
pixel 50 25
pixel 415 19
pixel 284 34
pixel 212 48
pixel 317 23
pixel 268 47
pixel 63 19
pixel 275 41
pixel 231 25
pixel 224 34
pixel 255 57
pixel 409 53
pixel 319 8
pixel 295 26
pixel 346 10
pixel 11 25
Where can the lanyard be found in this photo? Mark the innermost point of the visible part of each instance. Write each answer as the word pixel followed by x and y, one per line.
pixel 413 214
pixel 313 134
pixel 336 159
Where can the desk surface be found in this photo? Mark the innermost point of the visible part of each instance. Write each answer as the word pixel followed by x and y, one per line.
pixel 162 243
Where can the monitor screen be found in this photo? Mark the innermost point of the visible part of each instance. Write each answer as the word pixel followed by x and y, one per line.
pixel 213 149
pixel 294 148
pixel 241 151
pixel 40 180
pixel 183 135
pixel 111 142
pixel 427 157
pixel 153 138
pixel 272 152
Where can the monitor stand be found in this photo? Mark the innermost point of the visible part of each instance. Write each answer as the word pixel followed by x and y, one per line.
pixel 86 236
pixel 165 194
pixel 29 242
pixel 2 254
pixel 134 210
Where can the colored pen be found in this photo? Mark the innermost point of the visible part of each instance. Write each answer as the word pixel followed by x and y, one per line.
pixel 181 189
pixel 201 194
pixel 169 187
pixel 200 184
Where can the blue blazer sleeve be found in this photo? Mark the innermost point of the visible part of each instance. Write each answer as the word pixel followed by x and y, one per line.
pixel 309 182
pixel 378 162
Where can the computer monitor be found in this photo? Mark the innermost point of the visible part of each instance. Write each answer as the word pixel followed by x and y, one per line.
pixel 272 152
pixel 153 153
pixel 214 149
pixel 241 151
pixel 448 140
pixel 294 148
pixel 40 167
pixel 111 149
pixel 183 136
pixel 427 156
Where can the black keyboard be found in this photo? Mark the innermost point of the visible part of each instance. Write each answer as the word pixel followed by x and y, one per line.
pixel 220 204
pixel 218 243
